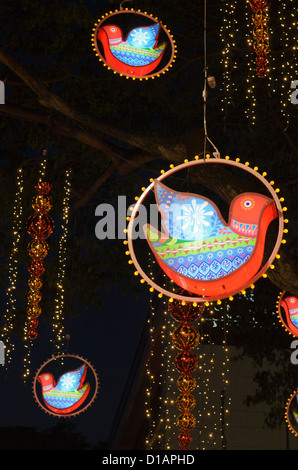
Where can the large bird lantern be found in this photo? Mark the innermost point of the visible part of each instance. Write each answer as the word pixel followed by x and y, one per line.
pixel 208 255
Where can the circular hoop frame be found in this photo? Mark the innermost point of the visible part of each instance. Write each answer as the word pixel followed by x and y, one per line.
pixel 146 15
pixel 188 164
pixel 287 413
pixel 75 412
pixel 281 318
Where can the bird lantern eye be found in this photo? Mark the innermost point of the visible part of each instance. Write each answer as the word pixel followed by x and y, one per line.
pixel 247 203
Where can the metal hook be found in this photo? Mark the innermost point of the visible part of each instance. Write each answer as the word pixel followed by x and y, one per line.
pixel 121 8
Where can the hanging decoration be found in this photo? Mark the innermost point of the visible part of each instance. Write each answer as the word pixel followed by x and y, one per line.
pixel 213 400
pixel 40 226
pixel 185 338
pixel 291 413
pixel 13 268
pixel 287 310
pixel 133 44
pixel 260 17
pixel 236 33
pixel 196 248
pixel 65 385
pixel 58 315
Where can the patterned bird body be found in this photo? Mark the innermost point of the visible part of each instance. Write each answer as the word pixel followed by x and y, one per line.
pixel 290 306
pixel 202 253
pixel 139 54
pixel 69 392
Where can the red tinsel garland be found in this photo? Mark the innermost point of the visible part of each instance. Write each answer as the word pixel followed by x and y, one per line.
pixel 185 337
pixel 40 226
pixel 260 19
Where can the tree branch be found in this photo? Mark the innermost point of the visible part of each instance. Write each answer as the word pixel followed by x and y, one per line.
pixel 162 149
pixel 96 185
pixel 61 127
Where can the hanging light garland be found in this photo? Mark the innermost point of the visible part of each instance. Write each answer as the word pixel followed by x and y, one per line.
pixel 156 369
pixel 287 71
pixel 257 45
pixel 228 31
pixel 40 226
pixel 185 337
pixel 10 313
pixel 58 317
pixel 213 377
pixel 260 18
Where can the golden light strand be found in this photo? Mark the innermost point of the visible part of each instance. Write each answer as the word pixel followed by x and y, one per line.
pixel 213 365
pixel 250 111
pixel 227 33
pixel 148 410
pixel 257 34
pixel 58 317
pixel 207 411
pixel 171 387
pixel 155 378
pixel 287 72
pixel 10 313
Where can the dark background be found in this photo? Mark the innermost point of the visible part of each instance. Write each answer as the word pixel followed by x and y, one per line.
pixel 135 129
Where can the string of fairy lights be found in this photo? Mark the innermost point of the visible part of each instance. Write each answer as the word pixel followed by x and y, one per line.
pixel 282 38
pixel 214 381
pixel 9 316
pixel 155 413
pixel 287 55
pixel 58 316
pixel 228 31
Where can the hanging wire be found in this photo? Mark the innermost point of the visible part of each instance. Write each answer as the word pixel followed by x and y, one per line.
pixel 121 7
pixel 216 153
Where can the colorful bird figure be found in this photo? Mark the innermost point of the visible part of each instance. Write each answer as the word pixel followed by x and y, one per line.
pixel 202 253
pixel 69 393
pixel 137 55
pixel 290 306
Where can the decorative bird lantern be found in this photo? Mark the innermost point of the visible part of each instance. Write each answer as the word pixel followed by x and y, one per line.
pixel 133 44
pixel 209 257
pixel 291 413
pixel 287 310
pixel 72 392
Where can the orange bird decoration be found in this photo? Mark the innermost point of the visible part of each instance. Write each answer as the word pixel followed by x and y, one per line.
pixel 138 54
pixel 199 250
pixel 290 307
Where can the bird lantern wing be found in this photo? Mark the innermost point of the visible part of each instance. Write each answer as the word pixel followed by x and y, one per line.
pixel 187 216
pixel 144 37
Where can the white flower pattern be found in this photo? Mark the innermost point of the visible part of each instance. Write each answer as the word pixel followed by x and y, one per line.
pixel 194 216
